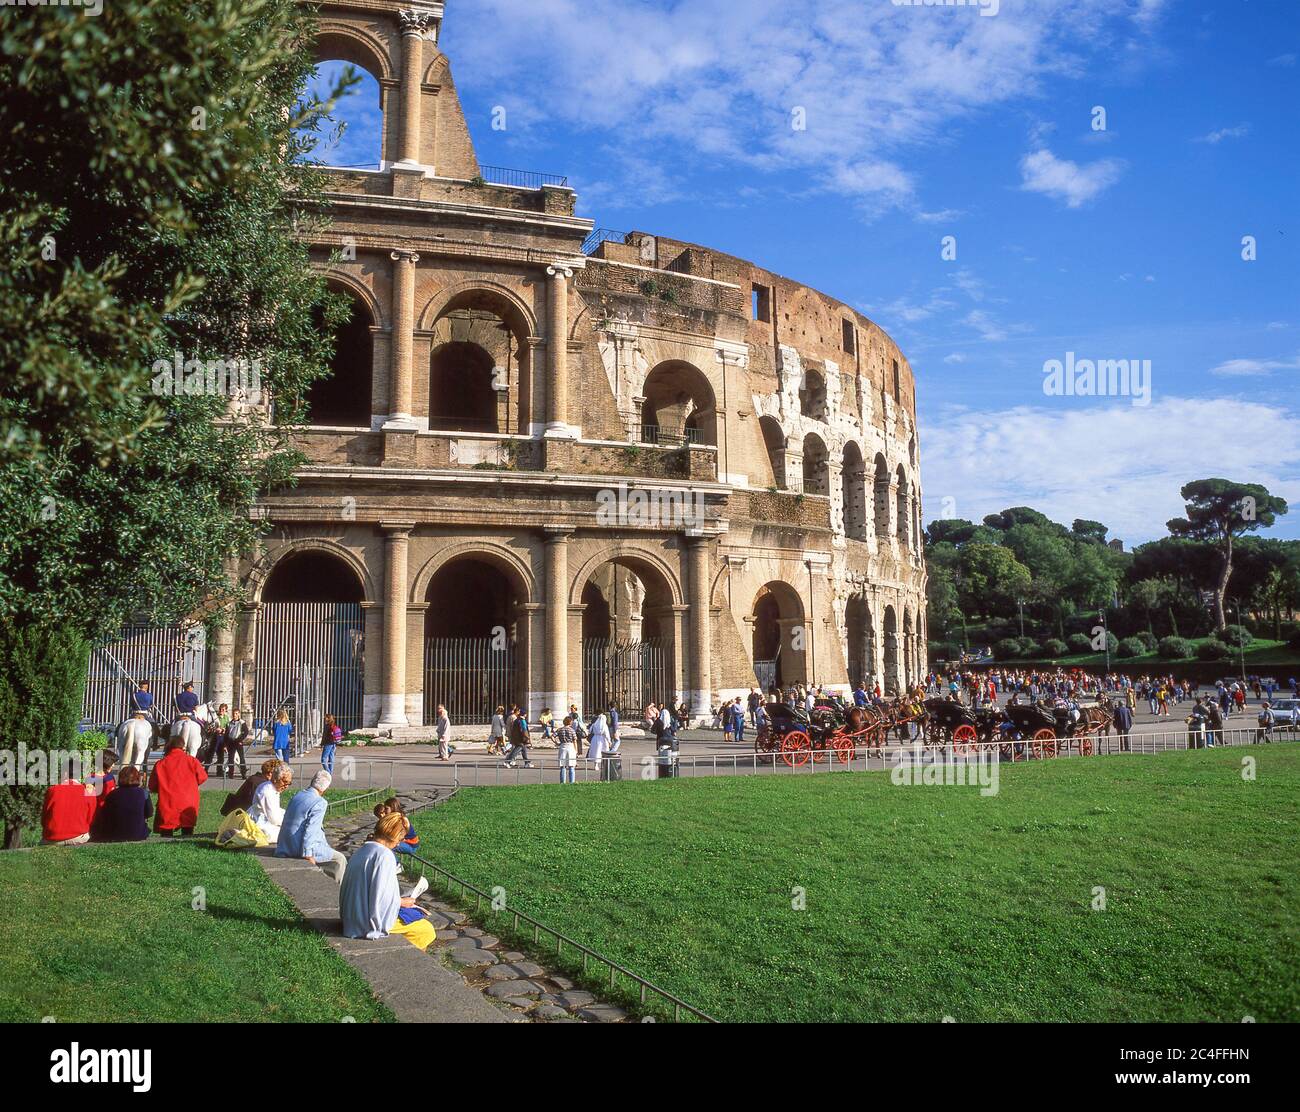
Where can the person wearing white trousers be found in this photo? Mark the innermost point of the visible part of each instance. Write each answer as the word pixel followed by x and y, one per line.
pixel 567 741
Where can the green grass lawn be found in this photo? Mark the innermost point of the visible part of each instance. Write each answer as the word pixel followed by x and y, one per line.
pixel 921 902
pixel 109 934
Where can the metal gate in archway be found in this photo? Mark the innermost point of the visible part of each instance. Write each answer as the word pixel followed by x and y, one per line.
pixel 627 674
pixel 166 656
pixel 470 676
pixel 309 660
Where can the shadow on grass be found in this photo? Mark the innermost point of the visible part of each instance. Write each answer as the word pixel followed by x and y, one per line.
pixel 287 924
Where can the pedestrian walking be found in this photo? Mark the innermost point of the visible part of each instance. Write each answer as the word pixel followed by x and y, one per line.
pixel 442 730
pixel 497 733
pixel 568 744
pixel 331 735
pixel 517 735
pixel 281 735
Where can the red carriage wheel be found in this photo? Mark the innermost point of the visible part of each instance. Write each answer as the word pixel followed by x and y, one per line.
pixel 844 748
pixel 796 748
pixel 963 741
pixel 1085 747
pixel 1044 744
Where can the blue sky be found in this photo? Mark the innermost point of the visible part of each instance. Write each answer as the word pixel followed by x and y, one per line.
pixel 929 122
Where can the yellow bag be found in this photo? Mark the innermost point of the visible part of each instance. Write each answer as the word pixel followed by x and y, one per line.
pixel 239 831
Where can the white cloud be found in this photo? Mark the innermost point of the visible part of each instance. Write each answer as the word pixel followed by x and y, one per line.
pixel 955 357
pixel 1283 60
pixel 1216 137
pixel 1246 368
pixel 710 80
pixel 1084 461
pixel 1042 172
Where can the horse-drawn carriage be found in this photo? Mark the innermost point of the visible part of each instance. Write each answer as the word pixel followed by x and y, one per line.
pixel 948 722
pixel 1049 730
pixel 830 729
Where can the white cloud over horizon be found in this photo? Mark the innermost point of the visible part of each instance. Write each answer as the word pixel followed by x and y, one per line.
pixel 1111 462
pixel 1042 172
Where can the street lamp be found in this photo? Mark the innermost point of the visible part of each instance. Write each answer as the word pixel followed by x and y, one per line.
pixel 1241 641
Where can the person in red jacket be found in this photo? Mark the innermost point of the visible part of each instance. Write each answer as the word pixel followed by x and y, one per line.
pixel 176 779
pixel 67 813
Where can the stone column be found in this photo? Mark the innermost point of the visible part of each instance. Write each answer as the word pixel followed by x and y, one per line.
pixel 557 352
pixel 415 26
pixel 556 681
pixel 221 663
pixel 392 703
pixel 701 674
pixel 399 379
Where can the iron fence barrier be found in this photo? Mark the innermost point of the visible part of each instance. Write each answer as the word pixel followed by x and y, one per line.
pixel 646 987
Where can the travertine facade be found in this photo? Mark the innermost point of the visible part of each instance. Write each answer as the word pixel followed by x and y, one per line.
pixel 645 440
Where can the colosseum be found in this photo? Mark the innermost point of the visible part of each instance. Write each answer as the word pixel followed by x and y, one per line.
pixel 559 465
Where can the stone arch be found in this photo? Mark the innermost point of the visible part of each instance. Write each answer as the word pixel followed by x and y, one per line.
pixel 861 634
pixel 775 442
pixel 902 509
pixel 812 396
pixel 479 294
pixel 480 358
pixel 853 484
pixel 342 280
pixel 632 555
pixel 261 571
pixel 345 397
pixel 778 638
pixel 679 404
pixel 893 674
pixel 881 497
pixel 498 555
pixel 345 42
pixel 816 465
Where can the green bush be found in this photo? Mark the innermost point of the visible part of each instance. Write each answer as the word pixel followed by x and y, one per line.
pixel 1054 647
pixel 1080 643
pixel 1175 648
pixel 1213 649
pixel 1237 636
pixel 1006 649
pixel 1028 646
pixel 1148 639
pixel 1132 646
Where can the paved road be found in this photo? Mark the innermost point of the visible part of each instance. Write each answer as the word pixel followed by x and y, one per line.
pixel 703 753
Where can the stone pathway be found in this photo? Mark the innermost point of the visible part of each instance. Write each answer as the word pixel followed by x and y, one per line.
pixel 524 990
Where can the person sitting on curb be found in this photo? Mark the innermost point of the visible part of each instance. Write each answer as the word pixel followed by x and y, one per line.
pixel 302 834
pixel 67 812
pixel 176 779
pixel 265 808
pixel 370 899
pixel 124 815
pixel 410 842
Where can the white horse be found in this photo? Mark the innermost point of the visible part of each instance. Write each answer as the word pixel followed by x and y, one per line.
pixel 134 738
pixel 192 733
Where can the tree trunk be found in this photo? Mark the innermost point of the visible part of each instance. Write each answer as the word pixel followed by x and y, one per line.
pixel 13 836
pixel 1221 590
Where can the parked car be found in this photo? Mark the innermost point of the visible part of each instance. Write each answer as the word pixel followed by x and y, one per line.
pixel 1287 713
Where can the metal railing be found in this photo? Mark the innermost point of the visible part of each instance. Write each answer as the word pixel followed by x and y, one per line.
pixel 657 434
pixel 602 235
pixel 521 179
pixel 646 988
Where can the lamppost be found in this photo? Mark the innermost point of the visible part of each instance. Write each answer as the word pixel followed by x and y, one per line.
pixel 1105 637
pixel 1021 605
pixel 1241 641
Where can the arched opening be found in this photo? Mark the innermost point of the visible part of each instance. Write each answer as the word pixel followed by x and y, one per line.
pixel 909 651
pixel 882 499
pixel 480 370
pixel 816 466
pixel 312 577
pixel 308 656
pixel 461 394
pixel 343 398
pixel 679 406
pixel 853 486
pixel 893 678
pixel 774 442
pixel 628 649
pixel 812 396
pixel 861 637
pixel 902 511
pixel 472 631
pixel 352 135
pixel 779 637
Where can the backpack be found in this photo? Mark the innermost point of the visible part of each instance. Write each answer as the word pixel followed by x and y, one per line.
pixel 239 831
